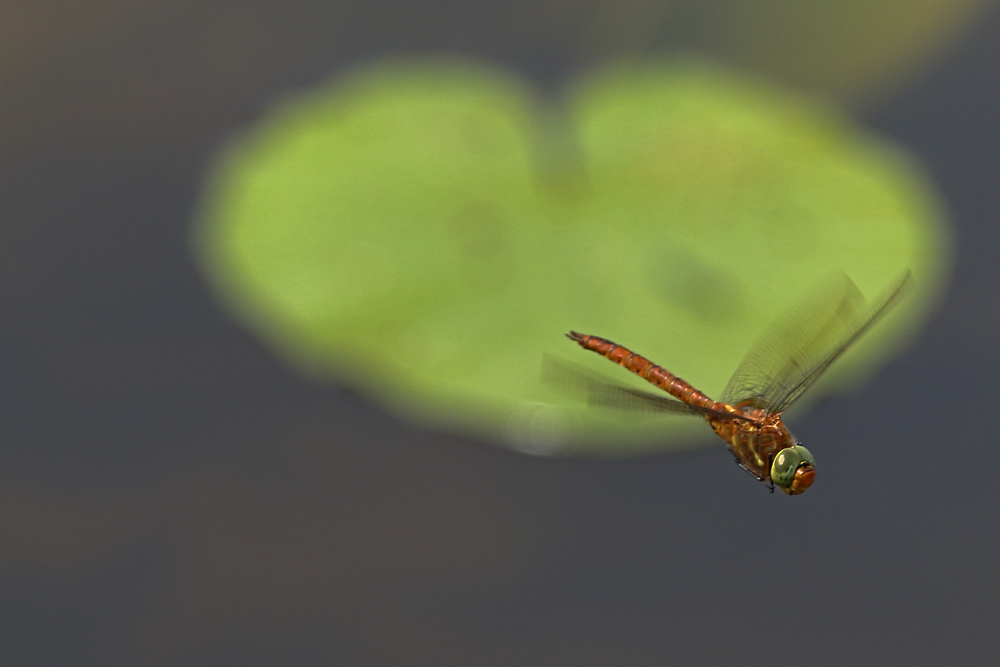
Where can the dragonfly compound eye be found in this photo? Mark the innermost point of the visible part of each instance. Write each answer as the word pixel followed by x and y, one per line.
pixel 793 469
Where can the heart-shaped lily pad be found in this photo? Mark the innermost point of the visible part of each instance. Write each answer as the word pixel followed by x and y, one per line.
pixel 428 232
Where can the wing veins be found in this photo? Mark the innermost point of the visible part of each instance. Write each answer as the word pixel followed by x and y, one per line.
pixel 793 353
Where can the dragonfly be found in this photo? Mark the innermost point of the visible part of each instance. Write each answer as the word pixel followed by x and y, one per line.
pixel 778 369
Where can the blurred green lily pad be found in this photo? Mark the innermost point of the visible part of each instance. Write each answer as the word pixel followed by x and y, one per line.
pixel 428 231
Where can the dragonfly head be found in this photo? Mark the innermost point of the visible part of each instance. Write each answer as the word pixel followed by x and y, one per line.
pixel 793 469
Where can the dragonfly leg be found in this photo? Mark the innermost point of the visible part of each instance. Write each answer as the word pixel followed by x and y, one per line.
pixel 746 469
pixel 767 482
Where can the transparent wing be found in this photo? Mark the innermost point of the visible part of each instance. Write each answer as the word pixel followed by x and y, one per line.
pixel 599 390
pixel 794 352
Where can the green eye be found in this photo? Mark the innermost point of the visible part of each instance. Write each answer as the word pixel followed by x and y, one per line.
pixel 787 462
pixel 806 455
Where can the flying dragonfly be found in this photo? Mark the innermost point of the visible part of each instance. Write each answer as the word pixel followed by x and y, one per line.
pixel 791 355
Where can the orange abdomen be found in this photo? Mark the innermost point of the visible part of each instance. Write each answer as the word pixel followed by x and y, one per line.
pixel 646 369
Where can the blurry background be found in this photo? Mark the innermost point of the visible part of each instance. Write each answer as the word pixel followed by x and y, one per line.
pixel 171 493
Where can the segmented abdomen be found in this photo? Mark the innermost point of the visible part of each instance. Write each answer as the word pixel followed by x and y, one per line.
pixel 643 367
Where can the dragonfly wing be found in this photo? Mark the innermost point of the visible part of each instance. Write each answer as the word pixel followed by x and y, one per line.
pixel 793 353
pixel 626 398
pixel 599 390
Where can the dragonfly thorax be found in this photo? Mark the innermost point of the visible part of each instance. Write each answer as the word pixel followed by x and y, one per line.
pixel 755 442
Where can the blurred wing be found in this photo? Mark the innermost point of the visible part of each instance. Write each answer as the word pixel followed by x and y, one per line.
pixel 794 352
pixel 599 390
